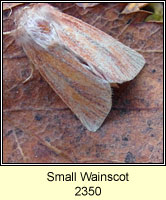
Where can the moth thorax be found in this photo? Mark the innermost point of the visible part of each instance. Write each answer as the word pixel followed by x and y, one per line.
pixel 44 26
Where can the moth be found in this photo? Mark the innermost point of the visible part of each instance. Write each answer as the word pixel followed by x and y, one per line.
pixel 77 60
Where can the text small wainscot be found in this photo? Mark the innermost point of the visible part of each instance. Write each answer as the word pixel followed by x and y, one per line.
pixel 87 176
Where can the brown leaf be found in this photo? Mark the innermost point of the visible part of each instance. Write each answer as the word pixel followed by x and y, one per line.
pixel 39 128
pixel 7 6
pixel 133 7
pixel 86 5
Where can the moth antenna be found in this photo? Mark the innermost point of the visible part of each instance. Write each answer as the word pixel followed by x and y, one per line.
pixel 9 32
pixel 12 32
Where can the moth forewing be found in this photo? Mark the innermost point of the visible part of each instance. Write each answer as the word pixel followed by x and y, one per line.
pixel 77 60
pixel 107 57
pixel 86 95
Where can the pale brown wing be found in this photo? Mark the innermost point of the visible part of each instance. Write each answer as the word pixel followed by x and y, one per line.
pixel 104 56
pixel 107 58
pixel 76 59
pixel 86 95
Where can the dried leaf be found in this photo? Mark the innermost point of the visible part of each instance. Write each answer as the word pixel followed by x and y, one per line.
pixel 7 6
pixel 133 7
pixel 86 5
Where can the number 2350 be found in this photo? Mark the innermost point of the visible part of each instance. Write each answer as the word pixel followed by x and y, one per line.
pixel 84 191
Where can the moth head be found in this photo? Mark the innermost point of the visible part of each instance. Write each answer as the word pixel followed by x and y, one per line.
pixel 33 23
